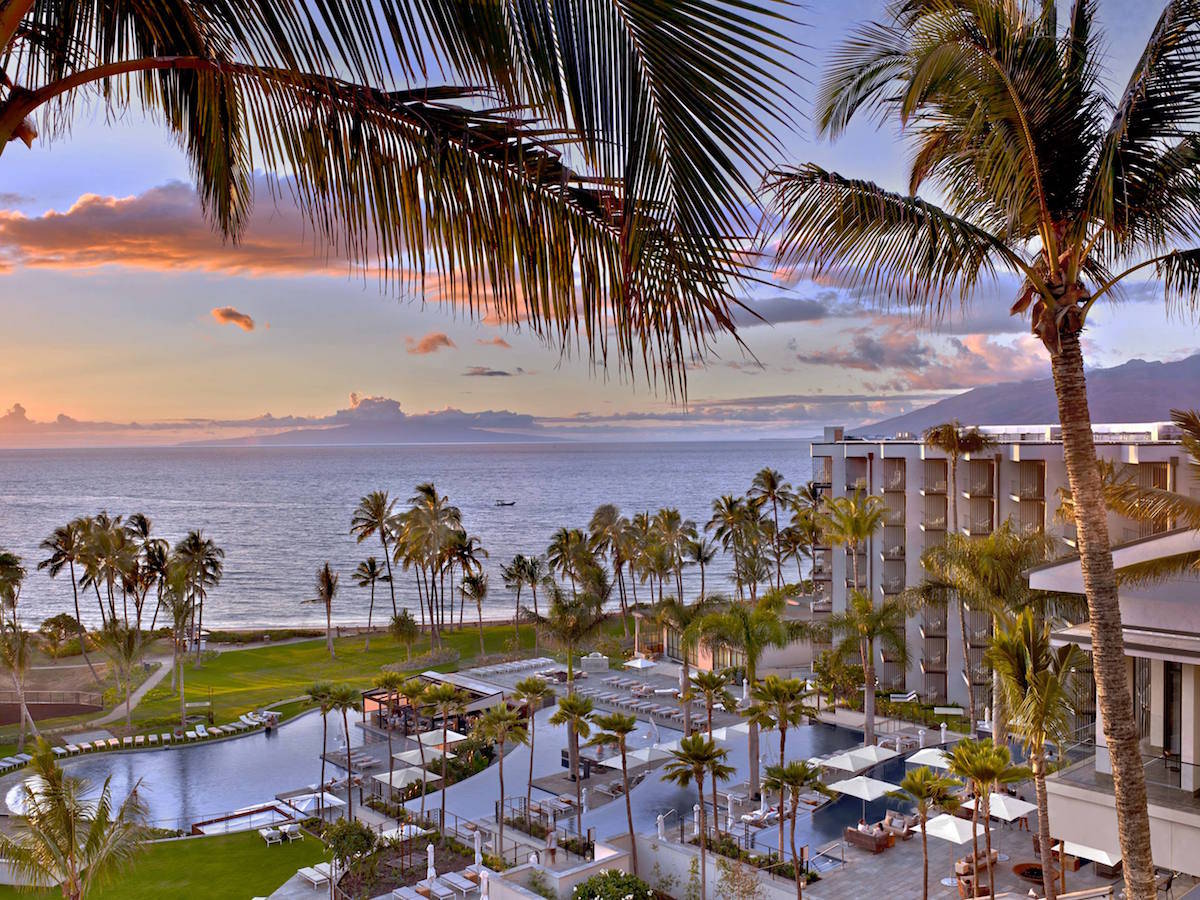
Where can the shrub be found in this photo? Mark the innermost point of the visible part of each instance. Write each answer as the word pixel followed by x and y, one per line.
pixel 613 884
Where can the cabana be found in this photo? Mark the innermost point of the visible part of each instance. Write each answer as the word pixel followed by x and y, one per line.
pixel 401 779
pixel 413 757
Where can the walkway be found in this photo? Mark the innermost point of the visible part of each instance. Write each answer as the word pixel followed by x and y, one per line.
pixel 117 714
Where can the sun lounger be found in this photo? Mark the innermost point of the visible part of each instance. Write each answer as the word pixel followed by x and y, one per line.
pixel 271 836
pixel 407 893
pixel 190 735
pixel 8 762
pixel 312 876
pixel 440 890
pixel 59 751
pixel 113 743
pixel 152 739
pixel 166 737
pixel 139 740
pixel 100 745
pixel 73 748
pixel 292 832
pixel 460 884
pixel 127 741
pixel 202 731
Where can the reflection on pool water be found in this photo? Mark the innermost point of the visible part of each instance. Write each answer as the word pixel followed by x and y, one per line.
pixel 182 785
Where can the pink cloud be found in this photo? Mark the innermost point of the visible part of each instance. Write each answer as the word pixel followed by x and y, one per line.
pixel 430 343
pixel 228 315
pixel 497 341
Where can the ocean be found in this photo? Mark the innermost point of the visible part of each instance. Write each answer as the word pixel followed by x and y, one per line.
pixel 280 513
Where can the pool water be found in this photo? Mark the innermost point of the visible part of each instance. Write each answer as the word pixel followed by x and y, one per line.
pixel 183 785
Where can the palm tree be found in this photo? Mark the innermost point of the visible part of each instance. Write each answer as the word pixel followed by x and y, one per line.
pixel 1034 676
pixel 571 622
pixel 390 683
pixel 566 555
pixel 465 551
pixel 204 563
pixel 12 578
pixel 475 587
pixel 928 790
pixel 405 630
pixel 769 486
pixel 179 605
pixel 779 704
pixel 700 552
pixel 859 630
pixel 675 614
pixel 67 835
pixel 514 580
pixel 416 692
pixel 1045 176
pixel 373 516
pixel 713 686
pixel 750 630
pixel 795 778
pixel 327 584
pixel 851 521
pixel 615 728
pixel 367 575
pixel 320 693
pixel 533 571
pixel 575 711
pixel 16 655
pixel 345 698
pixel 697 757
pixel 501 725
pixel 65 549
pixel 447 701
pixel 124 647
pixel 605 532
pixel 985 767
pixel 533 692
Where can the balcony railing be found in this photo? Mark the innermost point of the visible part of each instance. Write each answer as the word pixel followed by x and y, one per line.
pixel 934 523
pixel 893 516
pixel 982 489
pixel 851 586
pixel 979 528
pixel 937 486
pixel 894 552
pixel 934 663
pixel 856 484
pixel 894 484
pixel 933 628
pixel 893 585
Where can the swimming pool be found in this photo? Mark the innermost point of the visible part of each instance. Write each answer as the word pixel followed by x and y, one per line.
pixel 183 785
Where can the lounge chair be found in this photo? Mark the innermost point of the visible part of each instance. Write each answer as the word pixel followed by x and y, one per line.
pixel 59 751
pixel 100 745
pixel 8 762
pixel 113 744
pixel 74 748
pixel 440 890
pixel 215 731
pixel 127 741
pixel 898 824
pixel 190 735
pixel 312 876
pixel 407 893
pixel 166 737
pixel 202 731
pixel 152 739
pixel 292 832
pixel 463 885
pixel 271 836
pixel 139 740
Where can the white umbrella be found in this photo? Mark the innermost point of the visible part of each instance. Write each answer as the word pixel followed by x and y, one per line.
pixel 413 757
pixel 309 803
pixel 1104 857
pixel 430 871
pixel 731 732
pixel 405 832
pixel 478 835
pixel 669 745
pixel 640 663
pixel 872 754
pixel 433 737
pixel 934 757
pixel 864 788
pixel 843 761
pixel 952 829
pixel 1002 806
pixel 645 754
pixel 402 778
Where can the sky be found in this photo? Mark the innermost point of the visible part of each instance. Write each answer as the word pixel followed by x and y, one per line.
pixel 128 321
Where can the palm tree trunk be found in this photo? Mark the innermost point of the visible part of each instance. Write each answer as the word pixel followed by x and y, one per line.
pixel 868 661
pixel 391 759
pixel 778 583
pixel 1113 695
pixel 796 870
pixel 701 581
pixel 752 742
pixel 684 704
pixel 618 569
pixel 1038 763
pixel 182 695
pixel 370 612
pixel 529 787
pixel 387 558
pixel 500 810
pixel 966 649
pixel 782 742
pixel 975 847
pixel 517 617
pixel 703 839
pixel 985 801
pixel 479 609
pixel 128 691
pixel 421 748
pixel 324 750
pixel 199 626
pixel 79 622
pixel 349 766
pixel 999 728
pixel 329 629
pixel 573 738
pixel 629 811
pixel 536 614
pixel 445 727
pixel 925 860
pixel 716 811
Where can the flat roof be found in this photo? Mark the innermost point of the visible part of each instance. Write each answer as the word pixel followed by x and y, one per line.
pixel 466 682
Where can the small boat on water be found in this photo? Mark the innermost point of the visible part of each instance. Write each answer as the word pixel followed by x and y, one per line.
pixel 506 502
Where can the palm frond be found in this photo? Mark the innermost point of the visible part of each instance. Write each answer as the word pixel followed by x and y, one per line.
pixel 903 248
pixel 1164 568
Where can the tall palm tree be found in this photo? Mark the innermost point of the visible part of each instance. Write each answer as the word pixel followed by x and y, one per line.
pixel 985 767
pixel 68 836
pixel 447 701
pixel 751 630
pixel 713 687
pixel 566 555
pixel 390 683
pixel 12 578
pixel 405 630
pixel 674 534
pixel 514 579
pixel 571 622
pixel 320 693
pixel 65 548
pixel 179 606
pixel 416 692
pixel 1045 176
pixel 500 726
pixel 615 728
pixel 204 563
pixel 475 588
pixel 575 712
pixel 700 552
pixel 852 521
pixel 795 778
pixel 956 441
pixel 861 628
pixel 326 587
pixel 373 516
pixel 367 575
pixel 1034 676
pixel 927 791
pixel 533 572
pixel 465 552
pixel 779 704
pixel 124 646
pixel 345 698
pixel 532 691
pixel 769 486
pixel 696 758
pixel 675 614
pixel 16 656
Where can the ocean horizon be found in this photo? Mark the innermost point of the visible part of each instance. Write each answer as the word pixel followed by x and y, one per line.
pixel 281 512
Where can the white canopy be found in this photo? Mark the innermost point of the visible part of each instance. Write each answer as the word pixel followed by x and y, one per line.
pixel 670 745
pixel 864 788
pixel 413 757
pixel 402 778
pixel 405 832
pixel 433 737
pixel 952 828
pixel 934 757
pixel 640 663
pixel 1005 807
pixel 1083 852
pixel 872 754
pixel 842 761
pixel 731 732
pixel 643 755
pixel 307 803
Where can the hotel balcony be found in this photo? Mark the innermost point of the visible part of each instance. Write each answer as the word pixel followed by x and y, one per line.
pixel 934 488
pixel 980 490
pixel 891 586
pixel 933 627
pixel 856 484
pixel 936 523
pixel 1027 493
pixel 935 663
pixel 935 687
pixel 861 586
pixel 893 516
pixel 895 552
pixel 894 485
pixel 979 676
pixel 978 529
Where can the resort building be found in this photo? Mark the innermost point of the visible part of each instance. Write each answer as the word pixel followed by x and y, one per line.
pixel 1161 622
pixel 1020 478
pixel 383 711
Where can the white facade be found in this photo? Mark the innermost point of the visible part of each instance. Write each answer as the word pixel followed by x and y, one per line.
pixel 1019 479
pixel 1161 623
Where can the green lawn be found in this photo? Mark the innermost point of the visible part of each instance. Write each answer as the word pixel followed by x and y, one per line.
pixel 226 866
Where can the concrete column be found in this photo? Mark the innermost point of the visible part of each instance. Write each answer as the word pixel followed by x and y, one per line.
pixel 1157 696
pixel 1189 747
